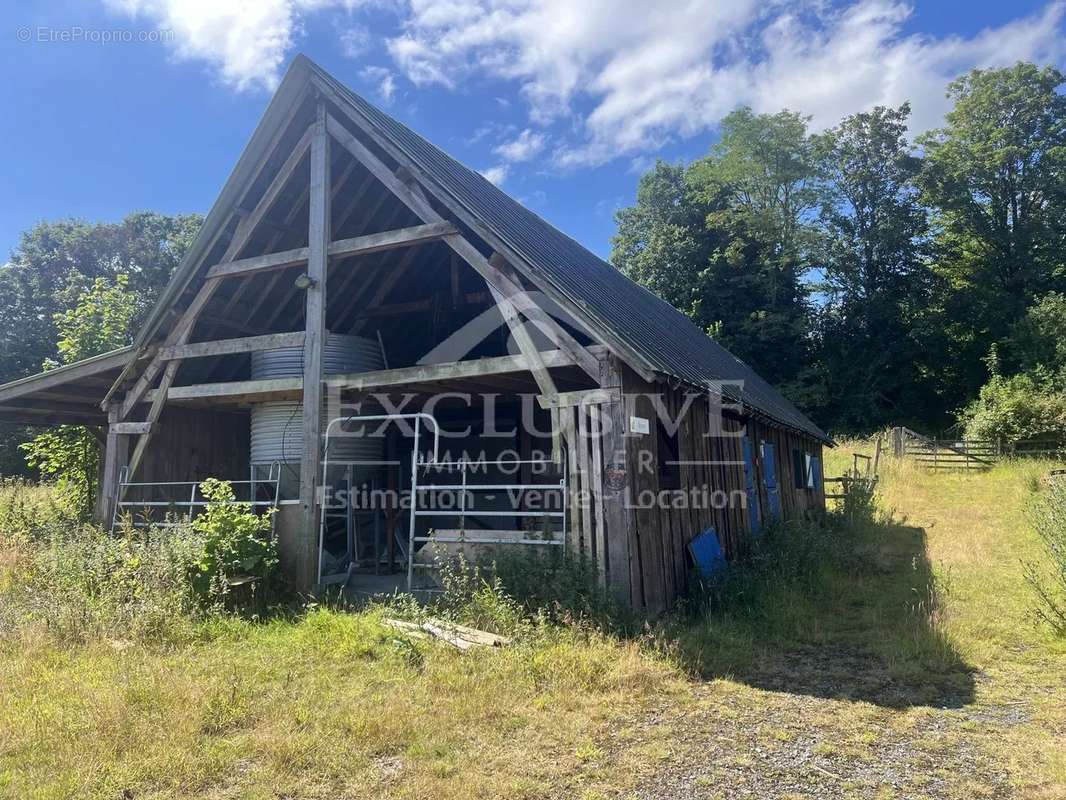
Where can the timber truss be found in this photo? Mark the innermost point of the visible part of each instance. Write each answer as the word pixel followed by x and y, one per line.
pixel 336 166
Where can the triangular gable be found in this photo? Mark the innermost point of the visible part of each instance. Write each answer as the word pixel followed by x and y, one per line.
pixel 649 334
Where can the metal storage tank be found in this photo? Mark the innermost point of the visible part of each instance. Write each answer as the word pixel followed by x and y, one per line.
pixel 277 426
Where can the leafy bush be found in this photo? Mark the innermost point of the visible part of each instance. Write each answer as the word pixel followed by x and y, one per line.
pixel 1017 408
pixel 78 582
pixel 859 503
pixel 235 542
pixel 1048 514
pixel 473 597
pixel 69 454
pixel 553 581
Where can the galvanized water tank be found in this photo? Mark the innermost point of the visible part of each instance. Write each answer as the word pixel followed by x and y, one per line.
pixel 277 427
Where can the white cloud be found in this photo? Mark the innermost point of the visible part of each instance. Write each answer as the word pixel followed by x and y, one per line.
pixel 247 42
pixel 523 148
pixel 384 81
pixel 610 78
pixel 631 75
pixel 496 175
pixel 355 41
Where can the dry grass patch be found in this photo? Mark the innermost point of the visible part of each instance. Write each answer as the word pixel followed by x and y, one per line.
pixel 331 705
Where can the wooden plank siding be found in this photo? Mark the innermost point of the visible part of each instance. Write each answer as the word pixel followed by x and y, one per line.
pixel 710 452
pixel 193 444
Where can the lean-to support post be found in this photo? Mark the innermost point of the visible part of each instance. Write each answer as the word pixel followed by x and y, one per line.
pixel 306 562
pixel 116 451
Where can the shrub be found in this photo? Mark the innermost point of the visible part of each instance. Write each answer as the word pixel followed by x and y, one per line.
pixel 28 511
pixel 1016 408
pixel 474 597
pixel 1048 514
pixel 235 542
pixel 859 503
pixel 78 582
pixel 520 584
pixel 555 582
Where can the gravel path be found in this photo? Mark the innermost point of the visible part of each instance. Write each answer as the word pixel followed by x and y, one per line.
pixel 739 742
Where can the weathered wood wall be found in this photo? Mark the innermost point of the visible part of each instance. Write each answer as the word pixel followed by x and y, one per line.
pixel 196 443
pixel 795 500
pixel 659 522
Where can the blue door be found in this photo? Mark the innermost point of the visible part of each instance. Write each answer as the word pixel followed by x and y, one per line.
pixel 749 485
pixel 769 472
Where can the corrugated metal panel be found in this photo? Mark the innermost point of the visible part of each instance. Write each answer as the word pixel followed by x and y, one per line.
pixel 277 427
pixel 339 354
pixel 668 340
pixel 277 435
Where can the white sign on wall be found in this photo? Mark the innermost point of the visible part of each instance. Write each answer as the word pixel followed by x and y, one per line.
pixel 639 425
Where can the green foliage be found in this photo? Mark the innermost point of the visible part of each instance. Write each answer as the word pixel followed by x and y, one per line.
pixel 1048 514
pixel 995 174
pixel 55 263
pixel 473 596
pixel 235 542
pixel 786 558
pixel 859 503
pixel 865 281
pixel 768 169
pixel 553 582
pixel 994 178
pixel 77 583
pixel 1016 408
pixel 1038 341
pixel 99 321
pixel 68 455
pixel 726 239
pixel 516 585
pixel 876 277
pixel 73 290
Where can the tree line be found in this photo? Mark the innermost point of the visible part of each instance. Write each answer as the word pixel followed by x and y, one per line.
pixel 72 290
pixel 873 278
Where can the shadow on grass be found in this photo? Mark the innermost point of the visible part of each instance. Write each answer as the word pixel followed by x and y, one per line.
pixel 847 610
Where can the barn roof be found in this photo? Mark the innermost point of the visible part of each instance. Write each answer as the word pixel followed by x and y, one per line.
pixel 646 331
pixel 666 340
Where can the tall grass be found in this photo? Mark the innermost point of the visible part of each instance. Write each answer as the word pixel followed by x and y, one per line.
pixel 896 609
pixel 1048 580
pixel 76 583
pixel 851 602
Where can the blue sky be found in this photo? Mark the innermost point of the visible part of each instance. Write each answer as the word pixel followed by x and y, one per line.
pixel 122 105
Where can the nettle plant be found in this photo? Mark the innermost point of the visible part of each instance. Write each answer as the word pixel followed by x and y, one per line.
pixel 236 541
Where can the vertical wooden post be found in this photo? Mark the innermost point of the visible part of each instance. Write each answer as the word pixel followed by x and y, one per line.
pixel 306 562
pixel 116 451
pixel 617 516
pixel 897 442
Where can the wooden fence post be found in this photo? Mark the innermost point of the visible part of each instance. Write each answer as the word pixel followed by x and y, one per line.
pixel 897 442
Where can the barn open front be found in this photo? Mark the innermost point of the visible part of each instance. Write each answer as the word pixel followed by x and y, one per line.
pixel 406 362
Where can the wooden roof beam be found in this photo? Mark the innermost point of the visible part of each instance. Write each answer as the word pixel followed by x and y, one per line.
pixel 378 379
pixel 222 347
pixel 343 248
pixel 638 363
pixel 499 283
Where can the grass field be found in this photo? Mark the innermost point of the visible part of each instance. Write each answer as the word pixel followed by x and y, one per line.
pixel 904 663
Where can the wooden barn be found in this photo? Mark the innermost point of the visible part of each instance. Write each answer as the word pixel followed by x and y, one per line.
pixel 407 362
